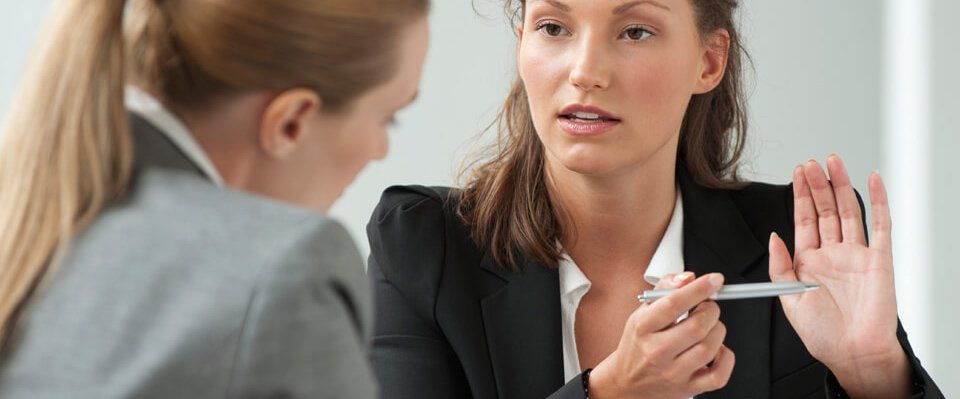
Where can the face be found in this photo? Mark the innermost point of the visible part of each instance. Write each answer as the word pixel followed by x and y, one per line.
pixel 339 145
pixel 609 81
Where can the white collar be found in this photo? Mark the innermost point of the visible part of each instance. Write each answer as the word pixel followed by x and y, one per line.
pixel 148 107
pixel 667 259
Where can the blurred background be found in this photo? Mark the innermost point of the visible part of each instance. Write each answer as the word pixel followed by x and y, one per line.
pixel 873 81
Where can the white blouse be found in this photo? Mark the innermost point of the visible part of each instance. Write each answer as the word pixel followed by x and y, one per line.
pixel 667 259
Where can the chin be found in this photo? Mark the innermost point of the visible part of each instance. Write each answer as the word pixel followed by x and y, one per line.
pixel 589 161
pixel 598 161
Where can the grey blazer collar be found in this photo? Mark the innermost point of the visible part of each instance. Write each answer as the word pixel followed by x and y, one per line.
pixel 153 149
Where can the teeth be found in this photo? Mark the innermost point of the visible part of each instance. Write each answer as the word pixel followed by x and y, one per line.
pixel 585 115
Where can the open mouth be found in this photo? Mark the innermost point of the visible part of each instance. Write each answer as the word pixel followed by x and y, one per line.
pixel 587 117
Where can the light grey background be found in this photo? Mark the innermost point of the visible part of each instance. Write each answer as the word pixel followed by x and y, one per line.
pixel 946 192
pixel 19 22
pixel 817 89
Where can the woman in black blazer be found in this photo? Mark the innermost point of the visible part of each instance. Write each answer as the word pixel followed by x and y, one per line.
pixel 617 165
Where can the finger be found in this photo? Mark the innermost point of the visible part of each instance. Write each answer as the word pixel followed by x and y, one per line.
pixel 880 209
pixel 848 207
pixel 689 332
pixel 714 377
pixel 703 352
pixel 670 281
pixel 674 281
pixel 665 311
pixel 825 202
pixel 807 236
pixel 781 267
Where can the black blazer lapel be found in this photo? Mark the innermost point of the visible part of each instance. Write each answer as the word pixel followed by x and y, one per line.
pixel 522 319
pixel 522 325
pixel 717 239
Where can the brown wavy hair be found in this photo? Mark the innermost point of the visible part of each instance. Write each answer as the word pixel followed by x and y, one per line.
pixel 505 199
pixel 66 149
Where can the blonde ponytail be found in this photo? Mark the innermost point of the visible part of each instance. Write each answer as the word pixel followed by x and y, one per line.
pixel 65 149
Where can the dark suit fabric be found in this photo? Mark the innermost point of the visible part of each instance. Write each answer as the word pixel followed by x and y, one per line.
pixel 450 323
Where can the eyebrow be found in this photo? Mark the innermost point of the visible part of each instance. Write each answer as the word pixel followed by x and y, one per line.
pixel 557 4
pixel 625 7
pixel 616 11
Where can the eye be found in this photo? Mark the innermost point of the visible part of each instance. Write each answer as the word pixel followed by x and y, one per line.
pixel 636 33
pixel 552 29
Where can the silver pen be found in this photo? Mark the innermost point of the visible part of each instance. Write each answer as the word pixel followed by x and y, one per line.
pixel 741 291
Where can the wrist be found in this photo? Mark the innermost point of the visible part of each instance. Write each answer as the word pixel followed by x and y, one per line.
pixel 602 385
pixel 882 376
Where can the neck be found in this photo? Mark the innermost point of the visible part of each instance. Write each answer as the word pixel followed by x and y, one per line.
pixel 227 134
pixel 619 220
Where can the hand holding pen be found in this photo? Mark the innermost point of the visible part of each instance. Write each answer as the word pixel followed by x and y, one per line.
pixel 658 354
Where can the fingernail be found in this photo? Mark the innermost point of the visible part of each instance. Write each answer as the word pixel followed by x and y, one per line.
pixel 774 234
pixel 682 277
pixel 716 279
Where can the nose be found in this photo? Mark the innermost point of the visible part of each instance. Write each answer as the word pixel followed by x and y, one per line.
pixel 589 70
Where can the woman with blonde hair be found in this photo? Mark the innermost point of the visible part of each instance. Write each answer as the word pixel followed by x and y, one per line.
pixel 163 177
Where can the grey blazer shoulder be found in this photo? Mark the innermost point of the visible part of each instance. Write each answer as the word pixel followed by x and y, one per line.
pixel 184 289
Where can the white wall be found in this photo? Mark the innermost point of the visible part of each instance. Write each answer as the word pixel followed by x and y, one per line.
pixel 818 89
pixel 19 22
pixel 946 196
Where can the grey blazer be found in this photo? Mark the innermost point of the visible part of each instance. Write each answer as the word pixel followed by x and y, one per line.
pixel 185 290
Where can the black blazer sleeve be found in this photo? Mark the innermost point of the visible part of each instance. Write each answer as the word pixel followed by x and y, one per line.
pixel 923 385
pixel 410 355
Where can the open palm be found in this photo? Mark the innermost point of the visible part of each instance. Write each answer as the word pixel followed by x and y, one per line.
pixel 852 319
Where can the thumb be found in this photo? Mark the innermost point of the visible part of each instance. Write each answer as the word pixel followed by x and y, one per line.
pixel 674 281
pixel 781 266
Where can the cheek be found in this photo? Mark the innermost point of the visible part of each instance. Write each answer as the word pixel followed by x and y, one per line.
pixel 659 90
pixel 659 86
pixel 363 143
pixel 543 73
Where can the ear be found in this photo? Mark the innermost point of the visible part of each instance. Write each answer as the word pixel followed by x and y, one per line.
pixel 285 121
pixel 713 63
pixel 519 39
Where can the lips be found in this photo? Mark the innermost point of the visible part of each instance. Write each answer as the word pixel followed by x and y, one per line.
pixel 578 111
pixel 586 120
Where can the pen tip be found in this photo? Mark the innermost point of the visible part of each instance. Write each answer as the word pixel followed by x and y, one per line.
pixel 811 287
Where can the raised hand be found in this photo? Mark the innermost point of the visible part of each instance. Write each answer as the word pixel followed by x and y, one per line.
pixel 850 324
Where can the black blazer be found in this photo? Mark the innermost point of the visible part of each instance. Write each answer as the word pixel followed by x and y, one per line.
pixel 450 324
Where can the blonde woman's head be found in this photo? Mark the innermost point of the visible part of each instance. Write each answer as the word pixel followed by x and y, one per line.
pixel 290 98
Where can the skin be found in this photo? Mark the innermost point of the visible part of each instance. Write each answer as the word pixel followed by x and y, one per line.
pixel 290 147
pixel 643 66
pixel 857 293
